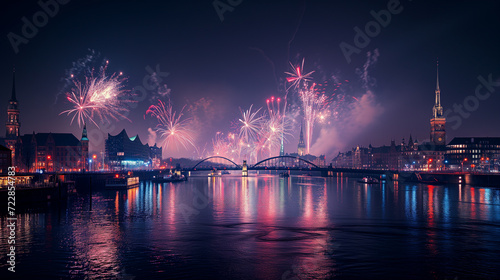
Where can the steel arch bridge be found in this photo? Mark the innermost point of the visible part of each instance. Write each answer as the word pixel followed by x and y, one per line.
pixel 209 158
pixel 283 161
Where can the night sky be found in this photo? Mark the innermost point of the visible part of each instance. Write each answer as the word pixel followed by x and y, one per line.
pixel 230 63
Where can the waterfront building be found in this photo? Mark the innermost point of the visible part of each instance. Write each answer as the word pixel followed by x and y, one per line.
pixel 156 156
pixel 5 159
pixel 474 153
pixel 51 152
pixel 343 160
pixel 424 157
pixel 124 152
pixel 361 157
pixel 383 157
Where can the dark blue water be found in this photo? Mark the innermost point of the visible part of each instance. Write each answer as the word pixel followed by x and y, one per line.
pixel 263 228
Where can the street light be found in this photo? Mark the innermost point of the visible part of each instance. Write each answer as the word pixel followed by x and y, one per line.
pixel 94 157
pixel 465 159
pixel 49 158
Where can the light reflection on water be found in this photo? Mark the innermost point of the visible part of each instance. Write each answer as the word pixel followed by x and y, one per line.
pixel 264 228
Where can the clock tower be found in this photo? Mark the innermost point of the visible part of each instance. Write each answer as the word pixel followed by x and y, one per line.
pixel 438 121
pixel 13 124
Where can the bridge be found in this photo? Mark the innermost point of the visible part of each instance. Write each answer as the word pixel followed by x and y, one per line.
pixel 272 163
pixel 282 163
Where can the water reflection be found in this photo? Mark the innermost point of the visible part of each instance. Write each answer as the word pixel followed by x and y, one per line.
pixel 266 227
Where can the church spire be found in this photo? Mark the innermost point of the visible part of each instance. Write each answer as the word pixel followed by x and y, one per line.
pixel 301 138
pixel 437 110
pixel 437 76
pixel 302 146
pixel 13 96
pixel 84 133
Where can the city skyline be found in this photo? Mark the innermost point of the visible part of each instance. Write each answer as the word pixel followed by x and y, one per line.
pixel 402 81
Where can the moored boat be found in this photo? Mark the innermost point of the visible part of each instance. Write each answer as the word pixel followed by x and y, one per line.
pixel 170 178
pixel 122 182
pixel 369 180
pixel 284 174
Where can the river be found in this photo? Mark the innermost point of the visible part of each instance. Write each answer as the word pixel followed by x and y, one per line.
pixel 262 227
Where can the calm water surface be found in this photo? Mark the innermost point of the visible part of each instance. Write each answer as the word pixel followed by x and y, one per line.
pixel 263 227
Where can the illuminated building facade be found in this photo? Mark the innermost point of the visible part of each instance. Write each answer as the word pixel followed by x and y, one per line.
pixel 383 157
pixel 50 152
pixel 474 153
pixel 156 156
pixel 123 152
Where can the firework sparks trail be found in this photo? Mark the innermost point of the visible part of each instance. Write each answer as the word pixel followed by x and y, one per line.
pixel 171 127
pixel 102 97
pixel 275 128
pixel 314 101
pixel 313 105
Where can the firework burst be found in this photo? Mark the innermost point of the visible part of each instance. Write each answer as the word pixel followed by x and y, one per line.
pixel 171 127
pixel 297 77
pixel 250 124
pixel 276 127
pixel 102 97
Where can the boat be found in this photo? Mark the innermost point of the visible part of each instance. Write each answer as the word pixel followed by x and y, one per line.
pixel 432 181
pixel 122 182
pixel 284 174
pixel 170 178
pixel 225 172
pixel 215 173
pixel 369 180
pixel 426 179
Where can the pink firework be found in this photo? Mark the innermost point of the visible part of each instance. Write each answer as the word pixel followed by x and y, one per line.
pixel 275 128
pixel 314 101
pixel 297 78
pixel 102 97
pixel 171 127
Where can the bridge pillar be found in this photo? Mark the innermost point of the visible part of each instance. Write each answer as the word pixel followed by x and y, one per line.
pixel 244 170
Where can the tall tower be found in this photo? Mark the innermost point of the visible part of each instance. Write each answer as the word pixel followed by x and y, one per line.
pixel 438 121
pixel 85 149
pixel 301 148
pixel 282 148
pixel 13 125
